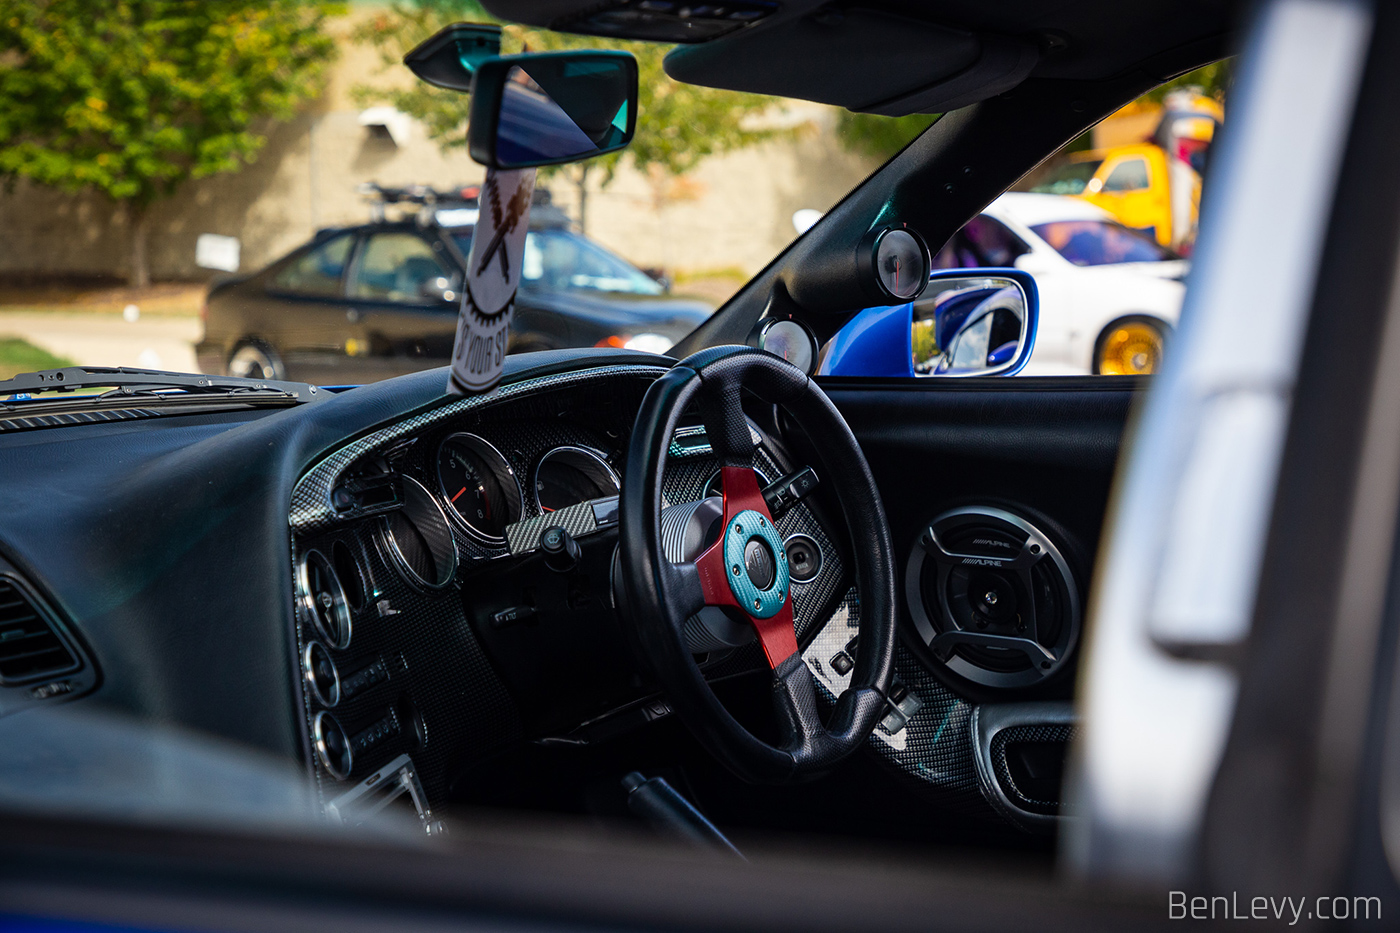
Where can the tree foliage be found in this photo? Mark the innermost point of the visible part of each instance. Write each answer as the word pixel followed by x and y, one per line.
pixel 1213 80
pixel 881 137
pixel 678 125
pixel 133 97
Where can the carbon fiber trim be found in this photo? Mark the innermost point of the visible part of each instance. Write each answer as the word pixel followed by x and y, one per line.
pixel 930 747
pixel 311 500
pixel 578 520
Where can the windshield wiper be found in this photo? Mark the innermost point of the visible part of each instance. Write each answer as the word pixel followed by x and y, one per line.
pixel 148 384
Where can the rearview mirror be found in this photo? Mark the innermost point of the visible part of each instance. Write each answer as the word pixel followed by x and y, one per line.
pixel 967 322
pixel 550 108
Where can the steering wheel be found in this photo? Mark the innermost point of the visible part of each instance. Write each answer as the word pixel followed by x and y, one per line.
pixel 744 570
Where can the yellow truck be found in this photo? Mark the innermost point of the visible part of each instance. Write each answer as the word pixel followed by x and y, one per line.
pixel 1153 185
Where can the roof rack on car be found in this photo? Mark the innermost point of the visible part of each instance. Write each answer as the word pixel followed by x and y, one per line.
pixel 428 200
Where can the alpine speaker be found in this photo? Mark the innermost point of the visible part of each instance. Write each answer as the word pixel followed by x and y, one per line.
pixel 993 598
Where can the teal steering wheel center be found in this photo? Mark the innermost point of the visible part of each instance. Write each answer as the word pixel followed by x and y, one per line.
pixel 755 564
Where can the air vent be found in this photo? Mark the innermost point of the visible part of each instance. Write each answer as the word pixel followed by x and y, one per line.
pixel 30 647
pixel 64 419
pixel 1019 752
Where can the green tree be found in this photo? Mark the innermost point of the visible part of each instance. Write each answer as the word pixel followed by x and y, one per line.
pixel 1213 80
pixel 678 125
pixel 873 135
pixel 133 97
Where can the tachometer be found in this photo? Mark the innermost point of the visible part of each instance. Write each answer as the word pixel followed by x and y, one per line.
pixel 569 475
pixel 479 485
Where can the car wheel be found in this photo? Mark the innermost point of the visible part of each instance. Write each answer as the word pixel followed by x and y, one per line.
pixel 1130 347
pixel 256 361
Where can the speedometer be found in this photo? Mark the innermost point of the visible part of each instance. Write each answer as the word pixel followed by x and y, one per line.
pixel 479 485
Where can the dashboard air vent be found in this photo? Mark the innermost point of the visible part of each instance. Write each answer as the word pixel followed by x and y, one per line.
pixel 30 648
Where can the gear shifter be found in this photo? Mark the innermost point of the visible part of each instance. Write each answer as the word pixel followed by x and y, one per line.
pixel 661 805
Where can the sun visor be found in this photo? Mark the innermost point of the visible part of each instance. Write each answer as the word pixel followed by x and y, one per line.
pixel 863 60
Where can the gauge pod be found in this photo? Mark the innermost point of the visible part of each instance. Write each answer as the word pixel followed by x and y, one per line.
pixel 479 485
pixel 790 340
pixel 896 262
pixel 323 600
pixel 419 540
pixel 569 475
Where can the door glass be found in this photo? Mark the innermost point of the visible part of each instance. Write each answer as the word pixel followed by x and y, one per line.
pixel 983 241
pixel 1109 273
pixel 320 271
pixel 399 267
pixel 1127 176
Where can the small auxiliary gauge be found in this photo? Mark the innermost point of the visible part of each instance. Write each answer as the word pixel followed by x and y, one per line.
pixel 901 261
pixel 788 339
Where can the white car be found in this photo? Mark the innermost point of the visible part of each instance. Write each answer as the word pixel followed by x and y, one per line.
pixel 1109 295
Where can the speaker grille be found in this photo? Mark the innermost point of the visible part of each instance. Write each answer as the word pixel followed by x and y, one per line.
pixel 992 597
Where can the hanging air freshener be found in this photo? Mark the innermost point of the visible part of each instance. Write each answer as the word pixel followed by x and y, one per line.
pixel 493 274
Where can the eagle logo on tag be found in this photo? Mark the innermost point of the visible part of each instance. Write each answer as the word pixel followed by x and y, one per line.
pixel 493 275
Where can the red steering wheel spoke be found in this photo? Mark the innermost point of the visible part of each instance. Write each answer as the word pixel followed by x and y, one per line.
pixel 776 632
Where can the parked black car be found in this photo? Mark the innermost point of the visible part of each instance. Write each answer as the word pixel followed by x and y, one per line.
pixel 358 304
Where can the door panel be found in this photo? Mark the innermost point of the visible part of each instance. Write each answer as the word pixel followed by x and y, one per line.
pixel 1049 443
pixel 305 312
pixel 1043 448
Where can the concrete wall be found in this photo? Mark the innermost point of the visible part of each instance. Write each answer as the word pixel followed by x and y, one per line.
pixel 733 212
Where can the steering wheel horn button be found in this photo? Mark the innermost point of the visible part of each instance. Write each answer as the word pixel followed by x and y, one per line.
pixel 758 559
pixel 752 543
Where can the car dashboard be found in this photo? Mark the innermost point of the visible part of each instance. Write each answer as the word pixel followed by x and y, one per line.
pixel 368 585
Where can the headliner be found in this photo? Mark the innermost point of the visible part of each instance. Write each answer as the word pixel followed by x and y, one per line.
pixel 905 56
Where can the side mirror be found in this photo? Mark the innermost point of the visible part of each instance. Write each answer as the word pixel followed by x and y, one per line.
pixel 549 108
pixel 967 322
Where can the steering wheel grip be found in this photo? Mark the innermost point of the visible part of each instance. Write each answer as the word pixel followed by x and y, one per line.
pixel 659 595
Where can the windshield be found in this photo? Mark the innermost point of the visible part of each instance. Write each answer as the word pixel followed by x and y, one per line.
pixel 1100 242
pixel 282 247
pixel 562 260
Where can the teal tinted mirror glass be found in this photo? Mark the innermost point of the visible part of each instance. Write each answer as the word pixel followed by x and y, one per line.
pixel 562 109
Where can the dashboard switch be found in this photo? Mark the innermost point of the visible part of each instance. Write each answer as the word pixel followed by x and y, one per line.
pixel 561 551
pixel 363 679
pixel 385 728
pixel 511 616
pixel 788 491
